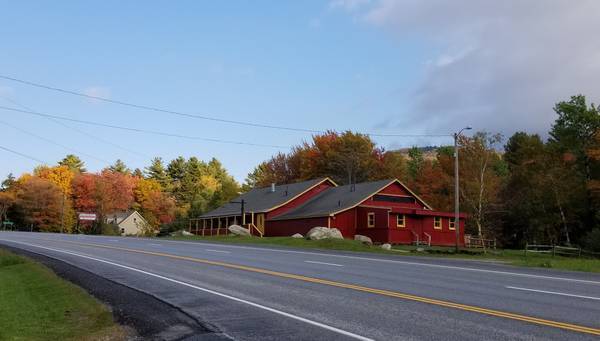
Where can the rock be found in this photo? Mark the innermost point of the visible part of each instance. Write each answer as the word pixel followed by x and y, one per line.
pixel 317 233
pixel 364 239
pixel 180 233
pixel 420 249
pixel 321 232
pixel 297 235
pixel 386 246
pixel 239 231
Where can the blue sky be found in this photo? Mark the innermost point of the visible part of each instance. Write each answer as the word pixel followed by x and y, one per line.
pixel 342 64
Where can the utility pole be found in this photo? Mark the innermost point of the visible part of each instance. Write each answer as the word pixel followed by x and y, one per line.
pixel 243 210
pixel 457 189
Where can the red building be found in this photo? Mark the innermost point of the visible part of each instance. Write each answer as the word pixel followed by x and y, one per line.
pixel 386 211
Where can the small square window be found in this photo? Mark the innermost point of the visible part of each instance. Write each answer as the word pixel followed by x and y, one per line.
pixel 400 220
pixel 437 223
pixel 371 219
pixel 451 224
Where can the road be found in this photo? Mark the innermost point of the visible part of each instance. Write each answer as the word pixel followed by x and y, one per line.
pixel 269 293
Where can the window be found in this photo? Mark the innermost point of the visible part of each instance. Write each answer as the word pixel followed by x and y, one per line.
pixel 393 198
pixel 401 220
pixel 371 219
pixel 437 223
pixel 122 231
pixel 451 224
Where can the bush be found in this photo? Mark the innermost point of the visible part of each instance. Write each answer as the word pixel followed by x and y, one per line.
pixel 592 240
pixel 110 230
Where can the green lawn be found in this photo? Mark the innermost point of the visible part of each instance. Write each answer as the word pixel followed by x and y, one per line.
pixel 514 257
pixel 35 304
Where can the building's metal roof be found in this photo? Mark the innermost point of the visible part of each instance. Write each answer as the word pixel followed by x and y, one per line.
pixel 335 199
pixel 263 200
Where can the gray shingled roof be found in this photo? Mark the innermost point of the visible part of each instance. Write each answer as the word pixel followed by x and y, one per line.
pixel 262 199
pixel 334 199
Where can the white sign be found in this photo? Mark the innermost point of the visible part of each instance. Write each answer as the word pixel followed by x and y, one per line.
pixel 87 216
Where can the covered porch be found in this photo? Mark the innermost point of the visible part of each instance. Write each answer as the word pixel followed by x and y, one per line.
pixel 218 225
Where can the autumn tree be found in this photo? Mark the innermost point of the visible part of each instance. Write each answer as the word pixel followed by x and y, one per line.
pixel 481 177
pixel 156 206
pixel 39 203
pixel 62 176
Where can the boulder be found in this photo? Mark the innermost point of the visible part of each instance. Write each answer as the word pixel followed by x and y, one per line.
pixel 386 246
pixel 364 239
pixel 239 230
pixel 180 233
pixel 335 233
pixel 321 232
pixel 297 235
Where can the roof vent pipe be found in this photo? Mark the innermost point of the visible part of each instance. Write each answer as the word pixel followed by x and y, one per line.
pixel 273 188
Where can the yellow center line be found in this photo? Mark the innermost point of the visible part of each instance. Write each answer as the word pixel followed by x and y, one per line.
pixel 448 304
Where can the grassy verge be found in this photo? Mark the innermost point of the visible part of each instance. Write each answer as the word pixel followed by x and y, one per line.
pixel 514 257
pixel 35 304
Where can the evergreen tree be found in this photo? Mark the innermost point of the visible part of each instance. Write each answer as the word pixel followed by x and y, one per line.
pixel 73 162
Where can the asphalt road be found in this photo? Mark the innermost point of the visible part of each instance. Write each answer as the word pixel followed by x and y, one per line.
pixel 266 293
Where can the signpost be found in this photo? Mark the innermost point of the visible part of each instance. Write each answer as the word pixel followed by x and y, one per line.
pixel 87 216
pixel 7 223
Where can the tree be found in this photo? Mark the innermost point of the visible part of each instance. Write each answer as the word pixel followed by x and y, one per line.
pixel 479 182
pixel 415 162
pixel 120 167
pixel 8 182
pixel 157 207
pixel 73 162
pixel 157 171
pixel 84 192
pixel 7 200
pixel 39 202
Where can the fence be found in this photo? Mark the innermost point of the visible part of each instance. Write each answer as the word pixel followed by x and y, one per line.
pixel 474 242
pixel 556 250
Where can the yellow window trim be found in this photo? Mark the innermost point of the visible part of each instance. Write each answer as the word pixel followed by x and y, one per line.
pixel 451 224
pixel 403 224
pixel 437 223
pixel 371 222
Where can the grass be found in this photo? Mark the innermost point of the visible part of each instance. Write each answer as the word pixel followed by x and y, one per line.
pixel 35 304
pixel 513 257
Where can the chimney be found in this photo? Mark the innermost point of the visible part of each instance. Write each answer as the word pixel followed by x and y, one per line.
pixel 286 191
pixel 273 188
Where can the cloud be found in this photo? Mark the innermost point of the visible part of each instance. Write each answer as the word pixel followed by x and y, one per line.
pixel 97 91
pixel 500 65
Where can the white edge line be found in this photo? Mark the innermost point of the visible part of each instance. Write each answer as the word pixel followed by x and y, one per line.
pixel 256 305
pixel 554 293
pixel 452 267
pixel 315 262
pixel 220 251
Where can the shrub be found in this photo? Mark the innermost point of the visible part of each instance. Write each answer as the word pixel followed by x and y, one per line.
pixel 592 240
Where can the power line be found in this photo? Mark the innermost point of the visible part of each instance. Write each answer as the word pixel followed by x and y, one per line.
pixel 53 142
pixel 140 155
pixel 146 107
pixel 23 155
pixel 195 116
pixel 154 132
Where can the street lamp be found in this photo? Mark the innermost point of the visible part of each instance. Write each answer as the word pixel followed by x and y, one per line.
pixel 456 187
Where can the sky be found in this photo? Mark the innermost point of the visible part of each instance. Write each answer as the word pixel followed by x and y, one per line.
pixel 405 67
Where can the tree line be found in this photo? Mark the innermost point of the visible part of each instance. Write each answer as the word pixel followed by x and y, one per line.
pixel 49 198
pixel 524 189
